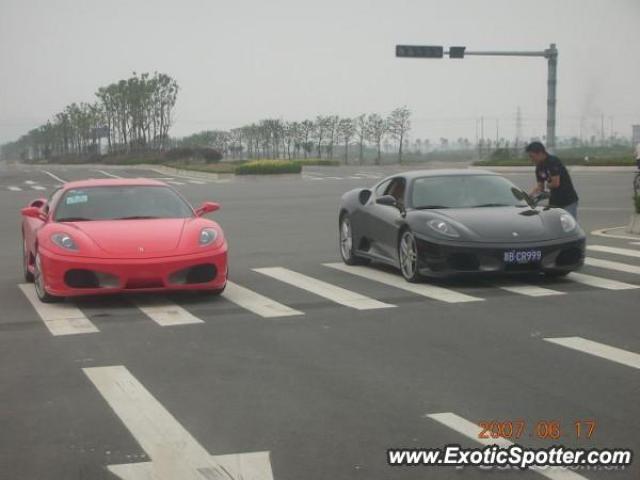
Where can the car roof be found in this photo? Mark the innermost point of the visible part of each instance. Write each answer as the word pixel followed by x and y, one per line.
pixel 113 182
pixel 412 174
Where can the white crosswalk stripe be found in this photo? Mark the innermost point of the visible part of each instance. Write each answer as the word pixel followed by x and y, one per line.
pixel 336 294
pixel 471 430
pixel 528 290
pixel 256 303
pixel 165 313
pixel 425 290
pixel 629 252
pixel 59 318
pixel 599 350
pixel 600 282
pixel 609 265
pixel 14 189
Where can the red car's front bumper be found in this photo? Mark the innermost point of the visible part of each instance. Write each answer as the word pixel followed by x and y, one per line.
pixel 66 275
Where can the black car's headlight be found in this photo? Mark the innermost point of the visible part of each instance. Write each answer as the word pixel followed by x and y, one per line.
pixel 443 227
pixel 208 236
pixel 64 241
pixel 568 223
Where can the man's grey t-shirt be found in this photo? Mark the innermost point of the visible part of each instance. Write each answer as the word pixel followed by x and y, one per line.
pixel 565 194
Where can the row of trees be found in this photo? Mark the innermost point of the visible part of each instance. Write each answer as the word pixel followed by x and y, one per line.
pixel 274 138
pixel 133 114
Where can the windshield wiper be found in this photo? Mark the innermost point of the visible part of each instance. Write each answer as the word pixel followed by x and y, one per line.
pixel 73 219
pixel 135 217
pixel 430 207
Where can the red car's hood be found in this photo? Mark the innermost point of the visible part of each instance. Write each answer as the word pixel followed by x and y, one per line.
pixel 135 237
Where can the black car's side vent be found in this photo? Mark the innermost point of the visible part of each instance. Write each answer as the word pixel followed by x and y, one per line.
pixel 528 213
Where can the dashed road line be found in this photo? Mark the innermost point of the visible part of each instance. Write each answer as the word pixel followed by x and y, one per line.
pixel 38 187
pixel 599 282
pixel 331 292
pixel 429 291
pixel 55 177
pixel 599 350
pixel 256 303
pixel 59 318
pixel 14 188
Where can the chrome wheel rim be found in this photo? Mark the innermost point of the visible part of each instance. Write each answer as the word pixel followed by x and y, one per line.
pixel 25 256
pixel 38 280
pixel 408 255
pixel 346 240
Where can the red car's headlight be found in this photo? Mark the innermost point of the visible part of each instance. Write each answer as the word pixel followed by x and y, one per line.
pixel 208 236
pixel 64 241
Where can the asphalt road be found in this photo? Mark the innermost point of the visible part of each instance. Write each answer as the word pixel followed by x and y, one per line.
pixel 327 390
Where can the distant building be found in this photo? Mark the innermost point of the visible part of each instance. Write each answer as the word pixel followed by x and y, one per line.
pixel 635 134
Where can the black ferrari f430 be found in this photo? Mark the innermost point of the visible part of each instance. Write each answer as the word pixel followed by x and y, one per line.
pixel 440 223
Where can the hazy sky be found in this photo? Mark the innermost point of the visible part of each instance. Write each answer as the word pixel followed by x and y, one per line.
pixel 240 61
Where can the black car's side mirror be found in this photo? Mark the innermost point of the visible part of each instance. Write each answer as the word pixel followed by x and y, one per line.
pixel 388 200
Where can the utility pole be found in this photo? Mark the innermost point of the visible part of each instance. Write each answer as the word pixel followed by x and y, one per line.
pixel 550 54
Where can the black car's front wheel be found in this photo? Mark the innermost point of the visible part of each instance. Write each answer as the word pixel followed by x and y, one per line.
pixel 408 256
pixel 346 243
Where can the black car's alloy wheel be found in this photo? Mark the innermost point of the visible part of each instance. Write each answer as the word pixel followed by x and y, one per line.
pixel 346 243
pixel 408 255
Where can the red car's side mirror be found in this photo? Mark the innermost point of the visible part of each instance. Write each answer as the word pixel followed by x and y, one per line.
pixel 34 212
pixel 38 202
pixel 207 207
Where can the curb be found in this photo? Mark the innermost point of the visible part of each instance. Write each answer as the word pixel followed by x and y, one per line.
pixel 605 232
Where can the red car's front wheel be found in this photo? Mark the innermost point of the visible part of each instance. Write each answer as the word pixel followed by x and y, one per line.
pixel 28 276
pixel 38 279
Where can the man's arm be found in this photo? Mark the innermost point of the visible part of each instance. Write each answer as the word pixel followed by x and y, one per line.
pixel 554 182
pixel 537 189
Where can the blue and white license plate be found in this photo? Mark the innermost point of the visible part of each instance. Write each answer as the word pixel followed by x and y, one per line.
pixel 520 257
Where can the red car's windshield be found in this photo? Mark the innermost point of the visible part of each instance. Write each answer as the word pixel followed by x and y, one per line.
pixel 120 203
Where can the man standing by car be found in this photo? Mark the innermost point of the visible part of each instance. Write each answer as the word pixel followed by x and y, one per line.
pixel 550 169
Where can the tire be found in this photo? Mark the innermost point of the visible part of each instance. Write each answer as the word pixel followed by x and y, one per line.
pixel 38 281
pixel 345 243
pixel 28 276
pixel 408 257
pixel 556 274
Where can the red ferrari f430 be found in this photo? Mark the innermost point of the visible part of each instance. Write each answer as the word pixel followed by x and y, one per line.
pixel 115 235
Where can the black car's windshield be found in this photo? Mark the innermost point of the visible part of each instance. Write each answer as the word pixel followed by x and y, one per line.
pixel 464 191
pixel 121 202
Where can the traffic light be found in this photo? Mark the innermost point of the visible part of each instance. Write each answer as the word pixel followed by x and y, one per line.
pixel 456 52
pixel 419 51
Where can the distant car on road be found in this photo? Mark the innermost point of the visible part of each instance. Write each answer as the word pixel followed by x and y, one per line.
pixel 439 223
pixel 114 235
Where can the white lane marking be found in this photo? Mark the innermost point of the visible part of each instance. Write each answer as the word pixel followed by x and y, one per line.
pixel 528 290
pixel 54 176
pixel 634 243
pixel 108 174
pixel 165 313
pixel 471 430
pixel 336 294
pixel 173 182
pixel 429 291
pixel 38 187
pixel 256 303
pixel 196 182
pixel 599 350
pixel 59 318
pixel 608 264
pixel 617 251
pixel 178 175
pixel 600 282
pixel 30 182
pixel 14 189
pixel 174 452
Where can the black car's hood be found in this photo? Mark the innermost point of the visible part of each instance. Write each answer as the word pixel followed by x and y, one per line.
pixel 497 224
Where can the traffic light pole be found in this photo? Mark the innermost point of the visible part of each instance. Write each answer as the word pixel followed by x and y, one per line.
pixel 551 54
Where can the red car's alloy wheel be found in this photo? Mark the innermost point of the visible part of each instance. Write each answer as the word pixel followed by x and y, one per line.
pixel 41 291
pixel 28 276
